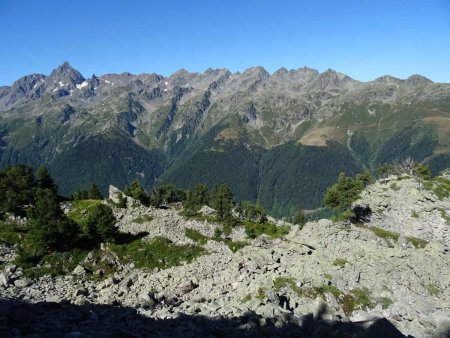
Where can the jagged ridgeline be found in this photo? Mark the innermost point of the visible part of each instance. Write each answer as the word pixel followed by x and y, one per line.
pixel 280 138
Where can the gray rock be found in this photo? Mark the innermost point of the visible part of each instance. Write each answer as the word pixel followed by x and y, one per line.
pixel 4 279
pixel 79 270
pixel 23 282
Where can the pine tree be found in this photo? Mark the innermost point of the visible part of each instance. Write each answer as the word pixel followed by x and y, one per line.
pixel 190 207
pixel 135 190
pixel 100 224
pixel 223 202
pixel 44 180
pixel 94 192
pixel 201 194
pixel 16 188
pixel 299 218
pixel 345 191
pixel 49 227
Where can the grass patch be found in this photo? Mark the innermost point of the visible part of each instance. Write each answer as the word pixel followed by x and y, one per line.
pixel 414 214
pixel 261 294
pixel 160 252
pixel 246 298
pixel 54 264
pixel 143 219
pixel 280 282
pixel 359 298
pixel 201 239
pixel 440 186
pixel 348 304
pixel 81 209
pixel 385 234
pixel 385 302
pixel 445 216
pixel 362 298
pixel 253 230
pixel 236 245
pixel 340 262
pixel 328 276
pixel 417 242
pixel 196 236
pixel 433 290
pixel 323 289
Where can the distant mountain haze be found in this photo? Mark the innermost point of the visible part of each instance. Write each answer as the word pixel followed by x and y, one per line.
pixel 281 138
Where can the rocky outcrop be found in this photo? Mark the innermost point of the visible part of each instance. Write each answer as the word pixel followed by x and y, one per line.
pixel 405 205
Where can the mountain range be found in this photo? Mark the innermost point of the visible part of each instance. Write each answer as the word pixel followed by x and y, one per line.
pixel 280 138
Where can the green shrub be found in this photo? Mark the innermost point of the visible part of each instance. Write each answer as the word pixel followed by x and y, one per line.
pixel 253 230
pixel 414 214
pixel 253 212
pixel 54 263
pixel 11 233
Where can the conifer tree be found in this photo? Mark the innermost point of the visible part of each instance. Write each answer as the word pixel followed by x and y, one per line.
pixel 49 227
pixel 223 202
pixel 44 180
pixel 94 192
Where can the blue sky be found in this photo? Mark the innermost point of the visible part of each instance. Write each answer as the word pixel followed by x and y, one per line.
pixel 364 39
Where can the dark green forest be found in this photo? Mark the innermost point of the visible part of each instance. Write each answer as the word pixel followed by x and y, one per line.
pixel 283 178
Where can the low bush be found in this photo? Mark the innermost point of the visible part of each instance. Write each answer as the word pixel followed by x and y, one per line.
pixel 253 230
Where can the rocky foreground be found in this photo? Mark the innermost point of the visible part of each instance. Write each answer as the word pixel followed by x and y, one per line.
pixel 324 280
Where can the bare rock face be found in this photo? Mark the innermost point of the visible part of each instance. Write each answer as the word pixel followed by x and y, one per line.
pixel 114 193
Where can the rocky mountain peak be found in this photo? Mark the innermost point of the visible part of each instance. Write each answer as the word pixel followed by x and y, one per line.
pixel 280 72
pixel 259 72
pixel 416 80
pixel 65 72
pixel 387 79
pixel 330 79
pixel 27 83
